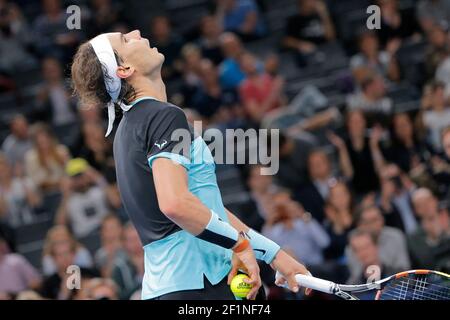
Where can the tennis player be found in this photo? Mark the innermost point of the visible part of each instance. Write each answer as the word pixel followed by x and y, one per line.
pixel 191 242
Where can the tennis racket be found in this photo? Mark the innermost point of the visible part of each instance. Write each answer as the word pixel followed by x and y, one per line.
pixel 407 285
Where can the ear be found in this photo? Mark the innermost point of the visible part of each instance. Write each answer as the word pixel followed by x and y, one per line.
pixel 124 72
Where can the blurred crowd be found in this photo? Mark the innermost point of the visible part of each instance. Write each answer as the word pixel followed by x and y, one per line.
pixel 363 180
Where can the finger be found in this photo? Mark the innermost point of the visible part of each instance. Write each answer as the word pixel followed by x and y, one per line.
pixel 308 291
pixel 292 283
pixel 253 275
pixel 280 281
pixel 253 292
pixel 232 273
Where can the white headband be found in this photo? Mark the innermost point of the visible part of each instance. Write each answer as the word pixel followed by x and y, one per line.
pixel 105 55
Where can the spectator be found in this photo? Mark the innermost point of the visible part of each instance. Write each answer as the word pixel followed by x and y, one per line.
pixel 296 231
pixel 436 51
pixel 111 244
pixel 53 36
pixel 391 243
pixel 308 29
pixel 95 149
pixel 371 57
pixel 231 74
pixel 429 245
pixel 18 142
pixel 210 31
pixel 368 254
pixel 104 17
pixel 45 162
pixel 372 100
pixel 14 40
pixel 59 234
pixel 364 177
pixel 101 289
pixel 18 196
pixel 438 117
pixel 241 17
pixel 395 199
pixel 313 195
pixel 259 92
pixel 209 98
pixel 54 102
pixel 339 220
pixel 129 270
pixel 191 68
pixel 55 286
pixel 294 153
pixel 16 273
pixel 167 42
pixel 84 202
pixel 262 188
pixel 433 12
pixel 406 147
pixel 396 24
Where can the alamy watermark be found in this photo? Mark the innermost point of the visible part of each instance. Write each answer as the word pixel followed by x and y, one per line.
pixel 231 146
pixel 374 20
pixel 73 21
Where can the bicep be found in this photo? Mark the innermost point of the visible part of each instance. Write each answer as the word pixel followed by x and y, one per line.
pixel 170 179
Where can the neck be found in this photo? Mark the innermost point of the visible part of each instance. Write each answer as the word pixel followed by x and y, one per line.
pixel 152 86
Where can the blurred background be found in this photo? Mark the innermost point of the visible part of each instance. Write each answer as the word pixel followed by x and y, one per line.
pixel 364 115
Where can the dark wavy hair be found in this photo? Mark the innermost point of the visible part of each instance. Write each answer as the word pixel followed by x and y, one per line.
pixel 88 82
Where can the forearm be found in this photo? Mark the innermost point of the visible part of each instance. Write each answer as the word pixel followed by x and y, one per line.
pixel 377 157
pixel 61 213
pixel 189 213
pixel 329 27
pixel 293 43
pixel 345 163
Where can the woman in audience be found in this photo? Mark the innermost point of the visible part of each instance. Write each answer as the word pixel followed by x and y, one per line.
pixel 18 196
pixel 406 149
pixel 57 234
pixel 111 247
pixel 357 142
pixel 45 162
pixel 128 269
pixel 339 219
pixel 259 92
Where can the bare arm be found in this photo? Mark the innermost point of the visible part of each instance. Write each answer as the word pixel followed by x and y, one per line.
pixel 344 158
pixel 174 198
pixel 322 10
pixel 377 155
pixel 187 211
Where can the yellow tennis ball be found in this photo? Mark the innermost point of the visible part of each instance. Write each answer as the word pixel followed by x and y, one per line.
pixel 239 287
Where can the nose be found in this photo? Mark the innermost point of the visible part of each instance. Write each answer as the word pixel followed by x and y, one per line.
pixel 135 34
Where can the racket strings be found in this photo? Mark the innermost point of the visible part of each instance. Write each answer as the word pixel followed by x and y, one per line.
pixel 418 288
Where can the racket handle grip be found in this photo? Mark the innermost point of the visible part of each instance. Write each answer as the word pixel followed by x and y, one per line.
pixel 315 283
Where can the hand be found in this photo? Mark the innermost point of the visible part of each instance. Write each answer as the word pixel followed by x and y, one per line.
pixel 375 136
pixel 307 47
pixel 288 267
pixel 321 8
pixel 393 45
pixel 337 141
pixel 246 261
